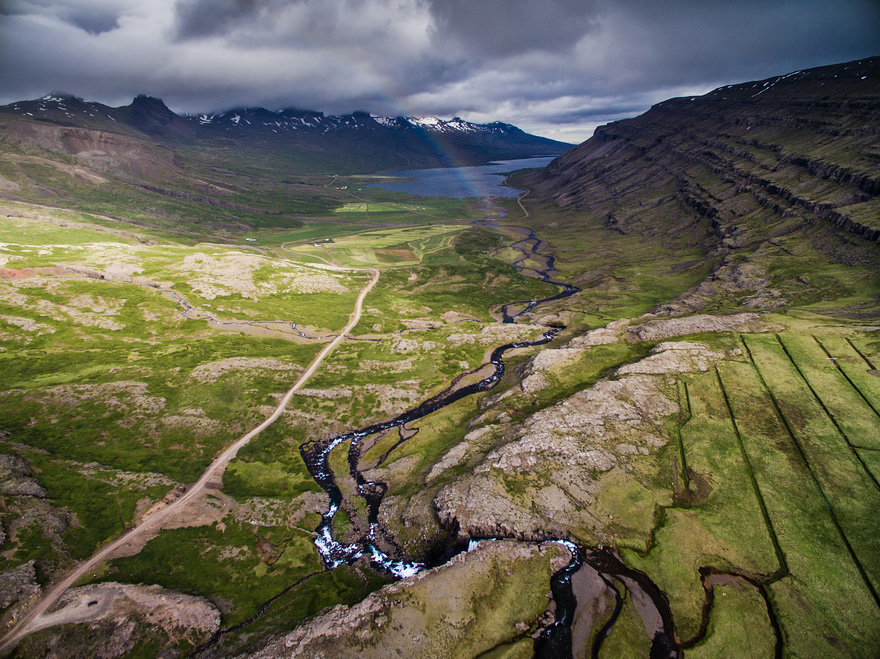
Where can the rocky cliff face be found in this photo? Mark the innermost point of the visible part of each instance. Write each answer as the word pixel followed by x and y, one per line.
pixel 738 165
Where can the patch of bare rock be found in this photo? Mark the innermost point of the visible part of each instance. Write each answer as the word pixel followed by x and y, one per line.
pixel 552 475
pixel 380 366
pixel 120 616
pixel 657 329
pixel 228 273
pixel 16 478
pixel 611 333
pixel 674 357
pixel 406 346
pixel 497 334
pixel 438 612
pixel 730 280
pixel 123 396
pixel 213 370
pixel 18 584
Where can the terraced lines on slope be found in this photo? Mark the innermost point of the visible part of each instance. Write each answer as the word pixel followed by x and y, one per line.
pixel 783 570
pixel 840 362
pixel 861 354
pixel 679 466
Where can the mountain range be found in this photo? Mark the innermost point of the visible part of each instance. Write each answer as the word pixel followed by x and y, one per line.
pixel 350 142
pixel 244 167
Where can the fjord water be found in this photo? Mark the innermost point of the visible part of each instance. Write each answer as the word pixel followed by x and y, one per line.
pixel 483 181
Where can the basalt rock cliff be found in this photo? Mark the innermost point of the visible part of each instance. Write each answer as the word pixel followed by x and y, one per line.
pixel 740 164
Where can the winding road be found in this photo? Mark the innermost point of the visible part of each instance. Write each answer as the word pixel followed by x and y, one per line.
pixel 37 618
pixel 31 621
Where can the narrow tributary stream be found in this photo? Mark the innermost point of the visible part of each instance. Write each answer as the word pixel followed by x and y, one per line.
pixel 378 546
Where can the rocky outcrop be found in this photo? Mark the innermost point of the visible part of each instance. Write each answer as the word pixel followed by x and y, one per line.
pixel 729 282
pixel 546 480
pixel 611 333
pixel 110 620
pixel 580 469
pixel 18 584
pixel 16 478
pixel 654 328
pixel 674 357
pixel 178 614
pixel 657 330
pixel 546 362
pixel 443 612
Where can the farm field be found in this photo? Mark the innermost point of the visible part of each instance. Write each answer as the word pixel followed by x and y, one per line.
pixel 397 247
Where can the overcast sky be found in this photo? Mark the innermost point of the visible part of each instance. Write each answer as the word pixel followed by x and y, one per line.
pixel 554 67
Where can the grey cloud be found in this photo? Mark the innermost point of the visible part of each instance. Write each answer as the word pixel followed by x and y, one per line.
pixel 94 23
pixel 278 21
pixel 700 41
pixel 91 16
pixel 502 27
pixel 201 18
pixel 530 62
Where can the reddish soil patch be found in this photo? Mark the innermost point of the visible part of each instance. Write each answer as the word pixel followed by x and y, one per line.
pixel 24 273
pixel 394 255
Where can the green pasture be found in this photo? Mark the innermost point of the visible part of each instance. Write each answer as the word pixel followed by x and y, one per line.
pixel 196 561
pixel 359 202
pixel 406 246
pixel 739 625
pixel 366 207
pixel 775 490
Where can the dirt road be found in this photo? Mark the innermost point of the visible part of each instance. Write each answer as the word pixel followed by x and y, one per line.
pixel 32 621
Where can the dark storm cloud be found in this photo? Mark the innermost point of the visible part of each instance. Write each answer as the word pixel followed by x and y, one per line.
pixel 681 41
pixel 555 66
pixel 91 16
pixel 200 18
pixel 503 27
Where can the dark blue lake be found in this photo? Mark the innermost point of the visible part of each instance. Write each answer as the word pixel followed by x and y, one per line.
pixel 480 181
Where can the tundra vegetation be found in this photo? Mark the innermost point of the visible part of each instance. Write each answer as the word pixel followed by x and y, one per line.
pixel 709 412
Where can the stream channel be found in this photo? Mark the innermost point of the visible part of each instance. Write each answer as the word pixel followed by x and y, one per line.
pixel 380 548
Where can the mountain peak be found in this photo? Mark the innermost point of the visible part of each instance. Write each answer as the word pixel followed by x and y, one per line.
pixel 150 114
pixel 150 102
pixel 60 97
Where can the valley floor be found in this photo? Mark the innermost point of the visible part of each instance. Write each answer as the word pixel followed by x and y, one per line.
pixel 719 471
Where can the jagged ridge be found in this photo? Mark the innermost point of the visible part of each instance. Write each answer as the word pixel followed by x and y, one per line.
pixel 363 141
